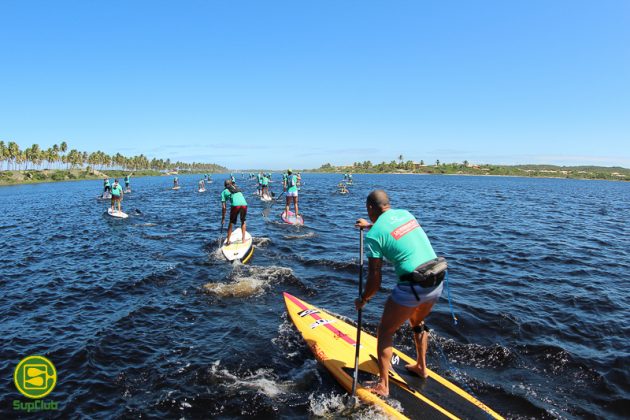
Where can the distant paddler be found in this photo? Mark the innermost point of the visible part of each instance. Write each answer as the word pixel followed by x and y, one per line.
pixel 397 236
pixel 202 185
pixel 117 195
pixel 259 178
pixel 175 183
pixel 238 207
pixel 291 193
pixel 232 179
pixel 106 187
pixel 342 188
pixel 127 182
pixel 264 186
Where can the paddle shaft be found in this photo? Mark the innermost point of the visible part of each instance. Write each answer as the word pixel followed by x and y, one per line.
pixel 355 378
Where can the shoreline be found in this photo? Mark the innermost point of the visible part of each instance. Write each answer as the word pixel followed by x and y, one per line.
pixel 46 176
pixel 79 175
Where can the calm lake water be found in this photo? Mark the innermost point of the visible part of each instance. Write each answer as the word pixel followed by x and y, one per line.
pixel 143 318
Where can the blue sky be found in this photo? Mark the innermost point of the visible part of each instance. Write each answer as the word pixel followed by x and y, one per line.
pixel 300 83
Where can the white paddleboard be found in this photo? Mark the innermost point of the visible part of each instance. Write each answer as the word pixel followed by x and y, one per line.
pixel 265 198
pixel 201 190
pixel 116 213
pixel 176 188
pixel 238 249
pixel 127 191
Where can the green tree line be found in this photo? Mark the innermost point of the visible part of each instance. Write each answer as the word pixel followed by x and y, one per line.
pixel 59 157
pixel 465 168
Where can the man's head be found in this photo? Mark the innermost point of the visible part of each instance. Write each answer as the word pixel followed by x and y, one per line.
pixel 377 203
pixel 227 183
pixel 289 171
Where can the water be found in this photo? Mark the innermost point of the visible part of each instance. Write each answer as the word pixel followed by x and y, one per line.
pixel 142 317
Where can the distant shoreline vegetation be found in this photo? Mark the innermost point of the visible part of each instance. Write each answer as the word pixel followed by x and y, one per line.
pixel 466 168
pixel 57 163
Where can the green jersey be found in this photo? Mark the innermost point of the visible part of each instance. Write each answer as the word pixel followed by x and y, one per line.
pixel 127 179
pixel 116 190
pixel 398 237
pixel 236 199
pixel 106 182
pixel 292 183
pixel 264 181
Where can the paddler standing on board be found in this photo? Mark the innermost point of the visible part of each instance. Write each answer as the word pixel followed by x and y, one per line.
pixel 127 182
pixel 175 182
pixel 397 236
pixel 238 207
pixel 291 193
pixel 117 195
pixel 106 186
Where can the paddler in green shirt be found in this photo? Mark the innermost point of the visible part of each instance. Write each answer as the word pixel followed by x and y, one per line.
pixel 396 235
pixel 117 195
pixel 106 185
pixel 291 193
pixel 127 180
pixel 238 206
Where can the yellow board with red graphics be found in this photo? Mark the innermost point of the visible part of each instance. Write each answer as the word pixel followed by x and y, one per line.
pixel 332 341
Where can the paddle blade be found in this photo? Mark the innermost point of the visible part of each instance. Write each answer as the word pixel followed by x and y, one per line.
pixel 266 212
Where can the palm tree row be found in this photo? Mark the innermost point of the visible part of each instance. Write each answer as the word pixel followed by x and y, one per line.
pixel 58 157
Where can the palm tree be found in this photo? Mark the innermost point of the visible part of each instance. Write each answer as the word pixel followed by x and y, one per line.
pixel 4 154
pixel 14 152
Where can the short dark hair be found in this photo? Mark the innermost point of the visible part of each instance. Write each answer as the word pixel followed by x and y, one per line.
pixel 378 198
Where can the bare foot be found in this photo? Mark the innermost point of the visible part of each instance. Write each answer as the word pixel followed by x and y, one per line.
pixel 376 387
pixel 227 243
pixel 415 368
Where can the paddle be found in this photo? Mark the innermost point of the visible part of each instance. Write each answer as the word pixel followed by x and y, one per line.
pixel 221 234
pixel 355 376
pixel 267 210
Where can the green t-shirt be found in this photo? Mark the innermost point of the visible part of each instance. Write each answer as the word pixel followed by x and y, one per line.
pixel 265 181
pixel 127 179
pixel 398 237
pixel 292 183
pixel 106 182
pixel 116 190
pixel 236 199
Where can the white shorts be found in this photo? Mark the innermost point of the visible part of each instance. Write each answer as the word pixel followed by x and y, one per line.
pixel 292 194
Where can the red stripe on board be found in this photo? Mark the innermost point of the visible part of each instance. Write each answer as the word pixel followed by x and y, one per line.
pixel 316 317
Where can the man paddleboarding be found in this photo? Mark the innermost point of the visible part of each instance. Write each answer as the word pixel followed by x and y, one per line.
pixel 291 193
pixel 238 207
pixel 106 186
pixel 175 182
pixel 117 195
pixel 396 235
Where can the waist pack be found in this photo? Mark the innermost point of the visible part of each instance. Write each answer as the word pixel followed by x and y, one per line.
pixel 429 274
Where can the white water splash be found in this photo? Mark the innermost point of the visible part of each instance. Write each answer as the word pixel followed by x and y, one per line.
pixel 249 281
pixel 262 381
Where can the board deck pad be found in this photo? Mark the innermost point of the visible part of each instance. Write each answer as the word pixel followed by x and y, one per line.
pixel 238 249
pixel 116 213
pixel 291 219
pixel 333 344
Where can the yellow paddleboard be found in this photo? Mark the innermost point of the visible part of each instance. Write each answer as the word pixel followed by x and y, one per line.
pixel 333 344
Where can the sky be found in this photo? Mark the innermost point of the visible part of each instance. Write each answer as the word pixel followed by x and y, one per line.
pixel 277 84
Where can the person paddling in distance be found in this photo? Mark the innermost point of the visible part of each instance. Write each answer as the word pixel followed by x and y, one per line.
pixel 265 186
pixel 117 195
pixel 127 181
pixel 106 186
pixel 175 182
pixel 291 193
pixel 238 207
pixel 396 235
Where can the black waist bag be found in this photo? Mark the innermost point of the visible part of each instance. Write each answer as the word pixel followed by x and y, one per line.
pixel 429 274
